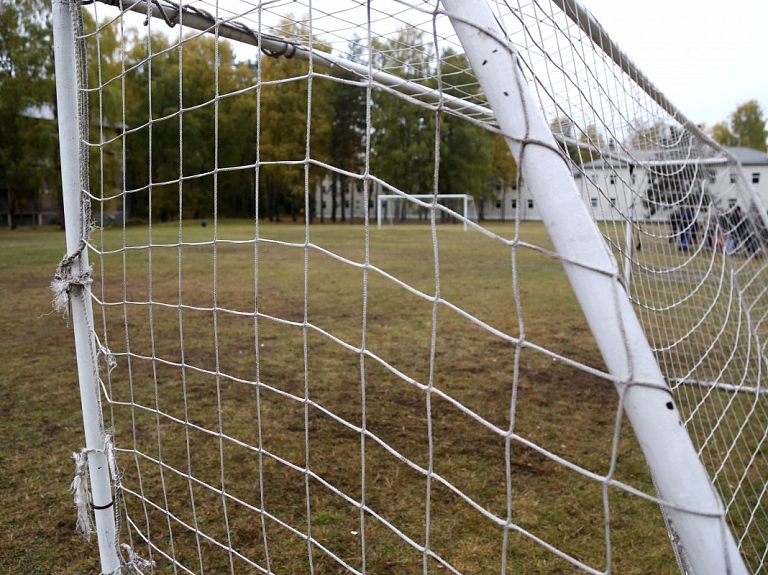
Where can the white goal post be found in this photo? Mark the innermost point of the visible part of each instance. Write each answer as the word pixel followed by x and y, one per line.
pixel 264 391
pixel 466 202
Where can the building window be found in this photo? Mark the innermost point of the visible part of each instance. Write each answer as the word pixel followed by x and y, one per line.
pixel 712 179
pixel 634 179
pixel 613 202
pixel 612 179
pixel 756 178
pixel 323 204
pixel 594 202
pixel 346 203
pixel 732 203
pixel 498 204
pixel 530 204
pixel 514 204
pixel 594 179
pixel 733 178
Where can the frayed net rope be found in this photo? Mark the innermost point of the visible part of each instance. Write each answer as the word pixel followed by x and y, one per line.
pixel 64 280
pixel 135 564
pixel 103 350
pixel 84 503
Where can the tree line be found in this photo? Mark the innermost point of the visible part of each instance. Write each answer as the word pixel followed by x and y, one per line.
pixel 183 123
pixel 28 146
pixel 176 128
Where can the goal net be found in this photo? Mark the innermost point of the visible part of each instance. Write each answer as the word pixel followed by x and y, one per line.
pixel 573 385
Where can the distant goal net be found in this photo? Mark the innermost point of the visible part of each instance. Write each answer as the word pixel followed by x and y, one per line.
pixel 575 384
pixel 404 208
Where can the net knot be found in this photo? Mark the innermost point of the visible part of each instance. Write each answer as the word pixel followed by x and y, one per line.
pixel 65 280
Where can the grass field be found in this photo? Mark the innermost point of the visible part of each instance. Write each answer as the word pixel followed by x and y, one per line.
pixel 197 364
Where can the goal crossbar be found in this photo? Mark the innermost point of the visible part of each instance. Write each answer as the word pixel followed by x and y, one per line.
pixel 198 19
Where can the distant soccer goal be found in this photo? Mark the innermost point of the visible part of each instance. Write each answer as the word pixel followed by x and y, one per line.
pixel 266 390
pixel 396 208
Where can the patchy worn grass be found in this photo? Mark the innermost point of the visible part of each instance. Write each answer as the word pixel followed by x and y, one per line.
pixel 198 364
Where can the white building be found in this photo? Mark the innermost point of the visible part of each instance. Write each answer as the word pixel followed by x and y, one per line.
pixel 615 185
pixel 755 167
pixel 613 188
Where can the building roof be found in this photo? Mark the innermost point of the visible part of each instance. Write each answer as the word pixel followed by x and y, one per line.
pixel 748 156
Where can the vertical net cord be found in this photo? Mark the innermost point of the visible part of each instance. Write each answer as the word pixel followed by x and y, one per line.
pixel 182 350
pixel 123 186
pixel 508 439
pixel 435 307
pixel 153 346
pixel 682 561
pixel 305 318
pixel 217 351
pixel 366 269
pixel 129 359
pixel 257 346
pixel 102 267
pixel 519 347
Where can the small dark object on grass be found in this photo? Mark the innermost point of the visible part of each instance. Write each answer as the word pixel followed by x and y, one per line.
pixel 203 223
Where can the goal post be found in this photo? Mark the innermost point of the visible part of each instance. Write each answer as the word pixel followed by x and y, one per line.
pixel 466 204
pixel 568 394
pixel 71 287
pixel 691 504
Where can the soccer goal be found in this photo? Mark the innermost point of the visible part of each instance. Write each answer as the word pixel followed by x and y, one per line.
pixel 396 208
pixel 577 389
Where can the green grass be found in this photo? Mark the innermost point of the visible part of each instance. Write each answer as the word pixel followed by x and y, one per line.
pixel 564 410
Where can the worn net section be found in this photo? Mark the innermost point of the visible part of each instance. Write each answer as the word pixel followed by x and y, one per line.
pixel 296 395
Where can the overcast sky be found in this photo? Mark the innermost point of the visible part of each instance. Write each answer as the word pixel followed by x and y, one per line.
pixel 707 56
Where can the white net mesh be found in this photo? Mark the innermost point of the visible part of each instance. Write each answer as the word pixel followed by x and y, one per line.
pixel 296 396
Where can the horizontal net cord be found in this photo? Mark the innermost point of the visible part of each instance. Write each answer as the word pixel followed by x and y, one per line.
pixel 603 479
pixel 523 344
pixel 372 513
